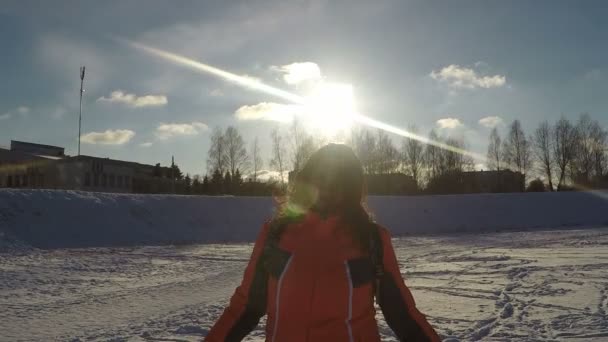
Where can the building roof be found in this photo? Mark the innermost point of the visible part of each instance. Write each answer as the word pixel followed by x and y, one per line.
pixel 35 144
pixel 9 156
pixel 37 149
pixel 114 161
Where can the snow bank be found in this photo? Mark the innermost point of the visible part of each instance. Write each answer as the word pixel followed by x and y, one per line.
pixel 491 212
pixel 58 219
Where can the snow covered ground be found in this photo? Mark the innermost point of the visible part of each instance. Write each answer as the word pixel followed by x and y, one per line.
pixel 543 285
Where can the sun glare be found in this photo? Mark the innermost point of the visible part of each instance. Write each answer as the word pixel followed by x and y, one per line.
pixel 330 108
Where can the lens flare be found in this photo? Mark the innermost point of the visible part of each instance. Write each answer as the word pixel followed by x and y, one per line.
pixel 346 114
pixel 349 115
pixel 247 82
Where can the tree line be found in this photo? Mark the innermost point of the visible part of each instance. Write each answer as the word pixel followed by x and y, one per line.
pixel 235 169
pixel 558 156
pixel 423 164
pixel 562 155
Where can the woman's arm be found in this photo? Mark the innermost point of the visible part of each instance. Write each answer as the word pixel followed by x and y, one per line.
pixel 248 304
pixel 396 300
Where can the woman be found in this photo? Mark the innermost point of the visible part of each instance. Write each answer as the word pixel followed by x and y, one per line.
pixel 317 266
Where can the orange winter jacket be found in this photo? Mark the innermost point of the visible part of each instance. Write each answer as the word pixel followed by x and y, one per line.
pixel 320 287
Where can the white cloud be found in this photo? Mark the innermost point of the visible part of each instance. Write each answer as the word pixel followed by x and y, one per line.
pixel 449 123
pixel 461 77
pixel 134 101
pixel 5 116
pixel 216 92
pixel 146 144
pixel 296 73
pixel 23 110
pixel 109 137
pixel 269 111
pixel 165 131
pixel 59 113
pixel 491 121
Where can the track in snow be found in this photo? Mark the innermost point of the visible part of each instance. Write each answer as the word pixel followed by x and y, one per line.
pixel 510 286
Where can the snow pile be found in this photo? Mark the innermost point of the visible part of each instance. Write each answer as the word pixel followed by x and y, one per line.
pixel 491 212
pixel 61 219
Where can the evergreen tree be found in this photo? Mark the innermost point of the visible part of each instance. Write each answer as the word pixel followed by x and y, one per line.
pixel 196 185
pixel 175 172
pixel 228 183
pixel 216 183
pixel 205 186
pixel 237 181
pixel 187 184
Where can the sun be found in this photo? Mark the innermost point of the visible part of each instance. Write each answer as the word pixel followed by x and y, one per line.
pixel 330 108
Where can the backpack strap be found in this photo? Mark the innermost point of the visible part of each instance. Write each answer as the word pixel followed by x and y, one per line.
pixel 376 253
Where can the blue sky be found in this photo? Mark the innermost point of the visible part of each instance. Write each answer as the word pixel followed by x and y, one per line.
pixel 443 65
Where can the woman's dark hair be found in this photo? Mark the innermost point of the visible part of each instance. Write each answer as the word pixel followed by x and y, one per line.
pixel 330 183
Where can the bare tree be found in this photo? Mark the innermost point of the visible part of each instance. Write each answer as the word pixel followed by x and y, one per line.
pixel 364 144
pixel 256 159
pixel 303 145
pixel 564 148
pixel 589 159
pixel 278 153
pixel 543 146
pixel 412 154
pixel 590 145
pixel 494 156
pixel 235 152
pixel 599 138
pixel 433 156
pixel 216 154
pixel 516 149
pixel 452 161
pixel 387 156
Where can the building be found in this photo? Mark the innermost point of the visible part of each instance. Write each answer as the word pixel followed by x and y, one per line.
pixel 28 165
pixel 391 184
pixel 396 183
pixel 494 181
pixel 476 182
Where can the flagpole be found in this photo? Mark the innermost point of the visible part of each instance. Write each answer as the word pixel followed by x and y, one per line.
pixel 80 112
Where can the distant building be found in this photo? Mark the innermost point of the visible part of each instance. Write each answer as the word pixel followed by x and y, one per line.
pixel 384 184
pixel 494 181
pixel 476 182
pixel 28 165
pixel 391 184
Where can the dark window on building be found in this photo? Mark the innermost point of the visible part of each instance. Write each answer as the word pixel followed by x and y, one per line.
pixel 9 181
pixel 87 179
pixel 112 184
pixel 40 180
pixel 96 180
pixel 104 180
pixel 24 180
pixel 127 182
pixel 119 181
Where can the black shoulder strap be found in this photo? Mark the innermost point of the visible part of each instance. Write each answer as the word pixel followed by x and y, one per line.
pixel 376 253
